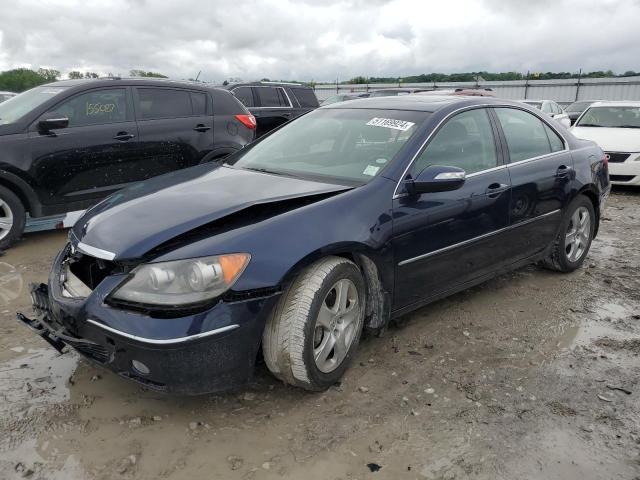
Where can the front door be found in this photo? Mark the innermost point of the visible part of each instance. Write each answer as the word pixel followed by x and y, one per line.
pixel 92 156
pixel 444 240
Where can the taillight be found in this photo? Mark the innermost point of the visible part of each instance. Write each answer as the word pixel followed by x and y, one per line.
pixel 247 120
pixel 605 159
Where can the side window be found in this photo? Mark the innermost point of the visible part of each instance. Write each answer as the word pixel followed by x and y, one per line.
pixel 465 141
pixel 525 134
pixel 546 107
pixel 245 96
pixel 199 103
pixel 306 97
pixel 556 142
pixel 272 97
pixel 95 107
pixel 154 103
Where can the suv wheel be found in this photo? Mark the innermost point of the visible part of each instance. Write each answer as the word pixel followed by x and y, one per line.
pixel 12 218
pixel 315 328
pixel 576 232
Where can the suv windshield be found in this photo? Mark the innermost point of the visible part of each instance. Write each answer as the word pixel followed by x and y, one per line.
pixel 611 117
pixel 18 106
pixel 336 145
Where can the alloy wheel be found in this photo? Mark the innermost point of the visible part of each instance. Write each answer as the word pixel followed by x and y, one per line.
pixel 578 233
pixel 6 219
pixel 335 327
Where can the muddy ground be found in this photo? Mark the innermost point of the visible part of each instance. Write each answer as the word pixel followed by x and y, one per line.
pixel 534 375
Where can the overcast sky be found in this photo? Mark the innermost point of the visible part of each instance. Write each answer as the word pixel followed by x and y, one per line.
pixel 319 40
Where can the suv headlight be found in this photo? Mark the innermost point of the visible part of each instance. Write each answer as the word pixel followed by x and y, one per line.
pixel 182 282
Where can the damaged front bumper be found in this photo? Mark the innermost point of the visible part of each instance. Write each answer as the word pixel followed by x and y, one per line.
pixel 205 352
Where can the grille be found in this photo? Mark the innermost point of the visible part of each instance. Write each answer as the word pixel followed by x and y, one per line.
pixel 96 352
pixel 90 270
pixel 621 178
pixel 617 157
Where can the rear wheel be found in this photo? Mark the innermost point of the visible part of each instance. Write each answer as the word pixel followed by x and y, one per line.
pixel 12 218
pixel 314 330
pixel 572 244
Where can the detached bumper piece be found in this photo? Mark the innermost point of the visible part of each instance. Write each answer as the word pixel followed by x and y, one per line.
pixel 56 335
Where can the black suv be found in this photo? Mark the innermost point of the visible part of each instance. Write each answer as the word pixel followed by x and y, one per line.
pixel 66 145
pixel 274 103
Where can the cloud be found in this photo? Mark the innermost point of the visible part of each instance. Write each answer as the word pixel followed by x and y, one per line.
pixel 305 40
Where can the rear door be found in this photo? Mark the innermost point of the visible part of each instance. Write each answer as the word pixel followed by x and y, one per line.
pixel 444 240
pixel 176 128
pixel 541 172
pixel 96 154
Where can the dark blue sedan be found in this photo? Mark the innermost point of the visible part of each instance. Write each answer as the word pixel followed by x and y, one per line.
pixel 341 220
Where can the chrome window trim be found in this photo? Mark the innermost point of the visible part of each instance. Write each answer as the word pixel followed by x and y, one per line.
pixel 167 341
pixel 474 239
pixel 96 252
pixel 470 107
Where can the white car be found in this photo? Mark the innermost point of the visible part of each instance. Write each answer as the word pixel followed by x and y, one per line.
pixel 615 126
pixel 552 109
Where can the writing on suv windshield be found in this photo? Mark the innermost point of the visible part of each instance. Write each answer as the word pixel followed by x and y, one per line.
pixel 611 117
pixel 349 146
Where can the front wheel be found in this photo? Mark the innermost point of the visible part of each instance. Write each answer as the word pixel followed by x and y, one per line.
pixel 314 330
pixel 12 218
pixel 576 233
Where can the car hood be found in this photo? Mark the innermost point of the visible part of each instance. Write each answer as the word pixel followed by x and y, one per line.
pixel 611 139
pixel 132 222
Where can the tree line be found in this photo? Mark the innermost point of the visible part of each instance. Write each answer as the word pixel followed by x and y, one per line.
pixel 21 79
pixel 488 76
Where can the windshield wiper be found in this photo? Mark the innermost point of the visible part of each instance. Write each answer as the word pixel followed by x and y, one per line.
pixel 629 126
pixel 272 172
pixel 588 125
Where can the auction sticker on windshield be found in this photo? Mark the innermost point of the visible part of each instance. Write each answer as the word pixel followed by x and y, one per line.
pixel 401 125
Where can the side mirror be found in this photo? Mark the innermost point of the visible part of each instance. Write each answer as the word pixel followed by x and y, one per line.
pixel 436 178
pixel 52 121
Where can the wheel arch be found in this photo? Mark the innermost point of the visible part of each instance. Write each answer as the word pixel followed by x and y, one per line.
pixel 22 190
pixel 372 267
pixel 590 192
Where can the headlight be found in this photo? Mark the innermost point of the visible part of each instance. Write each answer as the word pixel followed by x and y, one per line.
pixel 182 282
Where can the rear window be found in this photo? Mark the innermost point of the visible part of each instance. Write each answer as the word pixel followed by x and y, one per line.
pixel 156 103
pixel 306 97
pixel 199 103
pixel 272 97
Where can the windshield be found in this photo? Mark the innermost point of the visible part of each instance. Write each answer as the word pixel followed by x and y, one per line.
pixel 611 117
pixel 578 107
pixel 346 146
pixel 18 106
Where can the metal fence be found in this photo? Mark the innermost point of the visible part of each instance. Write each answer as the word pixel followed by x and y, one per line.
pixel 562 91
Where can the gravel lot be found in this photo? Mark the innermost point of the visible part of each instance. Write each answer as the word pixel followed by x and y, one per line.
pixel 532 375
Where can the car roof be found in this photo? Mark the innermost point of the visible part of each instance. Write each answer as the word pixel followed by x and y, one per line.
pixel 419 103
pixel 618 103
pixel 265 84
pixel 147 81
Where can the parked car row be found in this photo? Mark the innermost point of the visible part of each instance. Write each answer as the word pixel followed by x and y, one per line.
pixel 6 96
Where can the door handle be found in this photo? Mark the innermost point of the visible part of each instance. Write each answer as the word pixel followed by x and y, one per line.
pixel 496 188
pixel 201 127
pixel 123 136
pixel 563 171
pixel 288 114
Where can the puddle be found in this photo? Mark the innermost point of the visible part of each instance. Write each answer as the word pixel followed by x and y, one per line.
pixel 11 283
pixel 613 311
pixel 38 378
pixel 31 459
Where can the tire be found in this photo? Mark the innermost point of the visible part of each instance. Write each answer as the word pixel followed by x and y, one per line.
pixel 568 252
pixel 12 218
pixel 308 321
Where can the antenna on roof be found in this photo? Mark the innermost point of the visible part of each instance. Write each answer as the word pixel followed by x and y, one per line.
pixel 198 76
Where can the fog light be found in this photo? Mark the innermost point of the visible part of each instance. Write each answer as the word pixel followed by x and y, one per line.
pixel 140 367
